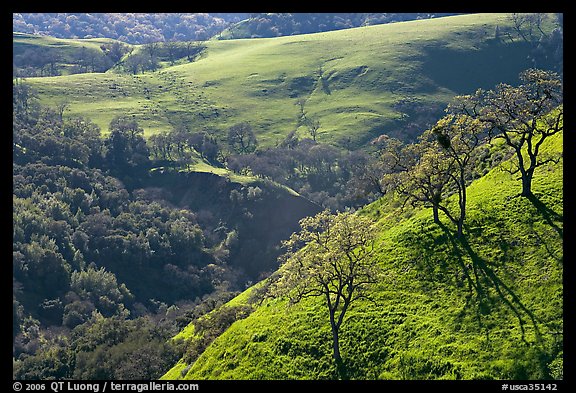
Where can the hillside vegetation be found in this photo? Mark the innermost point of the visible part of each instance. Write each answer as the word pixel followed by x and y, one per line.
pixel 141 28
pixel 34 55
pixel 426 321
pixel 358 83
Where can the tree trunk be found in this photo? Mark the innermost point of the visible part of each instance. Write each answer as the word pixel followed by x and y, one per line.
pixel 340 368
pixel 460 228
pixel 527 184
pixel 526 174
pixel 435 212
pixel 335 340
pixel 462 203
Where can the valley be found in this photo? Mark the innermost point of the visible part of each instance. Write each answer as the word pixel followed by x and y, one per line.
pixel 180 207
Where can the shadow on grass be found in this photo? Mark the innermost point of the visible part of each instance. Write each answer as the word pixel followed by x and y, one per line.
pixel 481 278
pixel 325 86
pixel 549 215
pixel 342 370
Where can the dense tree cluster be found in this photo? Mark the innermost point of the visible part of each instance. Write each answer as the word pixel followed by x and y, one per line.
pixel 142 28
pixel 179 146
pixel 133 28
pixel 282 24
pixel 102 348
pixel 321 172
pixel 150 56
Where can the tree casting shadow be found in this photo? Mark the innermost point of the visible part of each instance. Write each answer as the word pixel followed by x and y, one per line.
pixel 549 215
pixel 481 278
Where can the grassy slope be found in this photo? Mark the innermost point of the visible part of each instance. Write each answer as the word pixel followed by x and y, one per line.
pixel 364 72
pixel 23 41
pixel 426 324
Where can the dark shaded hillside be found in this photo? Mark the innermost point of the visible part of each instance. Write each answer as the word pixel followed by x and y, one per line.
pixel 261 214
pixel 459 70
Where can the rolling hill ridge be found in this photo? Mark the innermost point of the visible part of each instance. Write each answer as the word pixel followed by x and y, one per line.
pixel 358 83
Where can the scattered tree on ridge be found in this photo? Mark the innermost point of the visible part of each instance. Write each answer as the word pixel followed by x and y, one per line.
pixel 524 117
pixel 313 126
pixel 425 178
pixel 459 137
pixel 24 100
pixel 241 138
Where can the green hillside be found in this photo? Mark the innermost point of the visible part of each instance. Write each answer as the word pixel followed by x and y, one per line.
pixel 359 83
pixel 426 322
pixel 23 41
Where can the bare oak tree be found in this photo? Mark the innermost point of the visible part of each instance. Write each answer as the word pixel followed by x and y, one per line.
pixel 523 116
pixel 241 138
pixel 460 137
pixel 336 264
